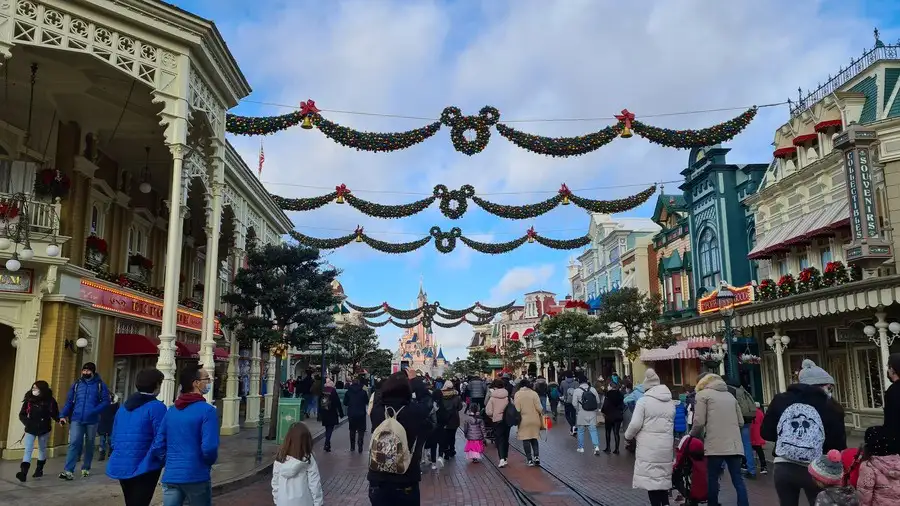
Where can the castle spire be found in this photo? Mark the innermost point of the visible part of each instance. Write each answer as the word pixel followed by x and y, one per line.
pixel 422 294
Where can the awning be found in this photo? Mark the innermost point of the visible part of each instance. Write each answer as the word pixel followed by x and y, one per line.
pixel 696 343
pixel 221 354
pixel 772 237
pixel 833 216
pixel 528 331
pixel 678 351
pixel 819 222
pixel 797 233
pixel 514 336
pixel 135 345
pixel 187 350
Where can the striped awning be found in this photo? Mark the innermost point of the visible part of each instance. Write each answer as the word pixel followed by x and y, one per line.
pixel 678 351
pixel 696 343
pixel 819 222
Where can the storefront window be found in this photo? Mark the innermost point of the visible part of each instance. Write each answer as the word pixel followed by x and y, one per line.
pixel 872 377
pixel 677 378
pixel 825 256
pixel 709 259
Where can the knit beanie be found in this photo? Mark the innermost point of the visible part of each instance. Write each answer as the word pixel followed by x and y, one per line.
pixel 447 386
pixel 828 469
pixel 650 379
pixel 811 374
pixel 90 366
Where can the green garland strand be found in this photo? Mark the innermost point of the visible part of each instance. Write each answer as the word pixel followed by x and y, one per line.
pixel 613 206
pixel 519 212
pixel 315 242
pixel 493 248
pixel 364 309
pixel 452 314
pixel 560 146
pixel 303 204
pixel 375 142
pixel 480 322
pixel 374 314
pixel 688 139
pixel 395 248
pixel 265 125
pixel 497 309
pixel 377 324
pixel 564 244
pixel 406 325
pixel 403 314
pixel 388 211
pixel 449 325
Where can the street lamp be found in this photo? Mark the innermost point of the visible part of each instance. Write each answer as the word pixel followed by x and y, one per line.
pixel 725 302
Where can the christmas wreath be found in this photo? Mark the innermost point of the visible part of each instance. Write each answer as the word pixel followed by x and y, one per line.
pixel 809 280
pixel 51 183
pixel 767 290
pixel 786 286
pixel 835 274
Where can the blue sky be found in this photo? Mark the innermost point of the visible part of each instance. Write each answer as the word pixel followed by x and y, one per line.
pixel 541 59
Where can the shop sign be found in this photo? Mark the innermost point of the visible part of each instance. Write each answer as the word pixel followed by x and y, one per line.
pixel 743 295
pixel 16 282
pixel 117 301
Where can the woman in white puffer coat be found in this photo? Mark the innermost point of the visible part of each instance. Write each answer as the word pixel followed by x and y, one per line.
pixel 652 426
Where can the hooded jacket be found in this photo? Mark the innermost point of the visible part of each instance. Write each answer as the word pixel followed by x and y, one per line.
pixel 583 416
pixel 451 406
pixel 652 426
pixel 496 404
pixel 717 414
pixel 879 481
pixel 477 388
pixel 331 416
pixel 541 387
pixel 38 413
pixel 832 419
pixel 188 440
pixel 564 387
pixel 134 429
pixel 356 401
pixel 838 496
pixel 613 408
pixel 297 483
pixel 86 399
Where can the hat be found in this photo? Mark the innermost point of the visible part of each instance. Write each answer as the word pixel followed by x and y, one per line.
pixel 828 469
pixel 811 374
pixel 879 442
pixel 90 366
pixel 448 386
pixel 650 379
pixel 706 379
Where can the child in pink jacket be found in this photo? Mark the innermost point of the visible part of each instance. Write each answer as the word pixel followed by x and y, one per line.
pixel 879 472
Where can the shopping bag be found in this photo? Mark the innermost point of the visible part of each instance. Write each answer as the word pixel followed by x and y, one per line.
pixel 548 422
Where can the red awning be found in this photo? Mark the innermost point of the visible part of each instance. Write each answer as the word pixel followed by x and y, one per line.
pixel 803 139
pixel 786 152
pixel 187 350
pixel 135 345
pixel 514 336
pixel 528 331
pixel 221 354
pixel 825 125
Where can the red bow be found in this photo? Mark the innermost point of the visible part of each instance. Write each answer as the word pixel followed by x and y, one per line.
pixel 626 117
pixel 359 230
pixel 564 190
pixel 384 305
pixel 342 190
pixel 531 232
pixel 308 107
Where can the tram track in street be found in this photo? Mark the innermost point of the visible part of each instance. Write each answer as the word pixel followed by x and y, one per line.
pixel 575 490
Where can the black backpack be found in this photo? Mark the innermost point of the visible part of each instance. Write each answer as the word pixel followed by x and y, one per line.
pixel 588 400
pixel 511 415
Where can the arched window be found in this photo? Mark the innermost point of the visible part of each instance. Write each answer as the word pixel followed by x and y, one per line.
pixel 95 221
pixel 710 271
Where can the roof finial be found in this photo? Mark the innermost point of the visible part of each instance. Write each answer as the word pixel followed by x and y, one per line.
pixel 878 42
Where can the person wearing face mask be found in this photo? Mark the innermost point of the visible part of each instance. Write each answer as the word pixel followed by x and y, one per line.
pixel 804 423
pixel 188 442
pixel 39 410
pixel 892 401
pixel 87 398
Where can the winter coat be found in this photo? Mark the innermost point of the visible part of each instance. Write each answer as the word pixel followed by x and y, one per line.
pixel 892 411
pixel 188 440
pixel 331 416
pixel 565 386
pixel 38 414
pixel 296 483
pixel 413 416
pixel 583 416
pixel 473 429
pixel 451 406
pixel 838 496
pixel 356 401
pixel 851 466
pixel 717 418
pixel 681 425
pixel 613 408
pixel 107 416
pixel 134 430
pixel 652 426
pixel 634 396
pixel 541 387
pixel 879 481
pixel 756 438
pixel 497 404
pixel 832 419
pixel 85 401
pixel 477 388
pixel 529 406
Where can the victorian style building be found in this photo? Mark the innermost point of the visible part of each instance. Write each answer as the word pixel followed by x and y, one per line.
pixel 124 211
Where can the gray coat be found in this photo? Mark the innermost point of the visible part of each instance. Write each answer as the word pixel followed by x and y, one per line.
pixel 477 389
pixel 717 412
pixel 584 417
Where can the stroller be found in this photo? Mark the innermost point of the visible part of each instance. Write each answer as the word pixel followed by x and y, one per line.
pixel 488 428
pixel 689 471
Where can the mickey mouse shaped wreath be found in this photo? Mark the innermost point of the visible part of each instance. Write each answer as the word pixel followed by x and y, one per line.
pixel 454 203
pixel 445 242
pixel 487 117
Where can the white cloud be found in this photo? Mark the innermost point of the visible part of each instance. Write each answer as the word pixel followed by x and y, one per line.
pixel 519 279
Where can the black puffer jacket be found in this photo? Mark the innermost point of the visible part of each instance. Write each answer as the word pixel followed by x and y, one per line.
pixel 451 406
pixel 356 401
pixel 413 416
pixel 38 414
pixel 832 418
pixel 477 388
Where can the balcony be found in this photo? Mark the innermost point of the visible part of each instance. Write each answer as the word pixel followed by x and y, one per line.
pixel 43 217
pixel 673 310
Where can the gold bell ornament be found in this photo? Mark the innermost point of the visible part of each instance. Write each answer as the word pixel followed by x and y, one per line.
pixel 307 109
pixel 359 232
pixel 626 133
pixel 564 191
pixel 626 117
pixel 341 189
pixel 531 234
pixel 306 124
pixel 565 200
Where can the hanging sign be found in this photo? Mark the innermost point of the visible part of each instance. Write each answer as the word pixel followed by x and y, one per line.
pixel 16 282
pixel 709 304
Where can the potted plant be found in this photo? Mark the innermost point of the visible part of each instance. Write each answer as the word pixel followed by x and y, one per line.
pixel 96 249
pixel 749 358
pixel 140 265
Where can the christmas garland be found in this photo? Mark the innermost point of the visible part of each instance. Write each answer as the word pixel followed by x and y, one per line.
pixel 452 314
pixel 454 203
pixel 424 321
pixel 309 116
pixel 429 310
pixel 444 242
pixel 495 310
pixel 364 309
pixel 376 324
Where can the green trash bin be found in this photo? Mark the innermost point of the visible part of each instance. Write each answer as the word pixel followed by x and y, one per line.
pixel 290 411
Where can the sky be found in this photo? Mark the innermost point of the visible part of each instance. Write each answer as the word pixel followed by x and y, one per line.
pixel 532 59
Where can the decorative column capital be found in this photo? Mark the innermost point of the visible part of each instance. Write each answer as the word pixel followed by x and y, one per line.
pixel 178 151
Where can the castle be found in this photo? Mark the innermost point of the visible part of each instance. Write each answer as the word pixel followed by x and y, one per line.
pixel 417 349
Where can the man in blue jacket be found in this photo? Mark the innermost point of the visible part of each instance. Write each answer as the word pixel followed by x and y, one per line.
pixel 189 458
pixel 87 398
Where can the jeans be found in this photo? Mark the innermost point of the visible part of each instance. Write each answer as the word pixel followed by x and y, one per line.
pixel 78 432
pixel 29 446
pixel 748 450
pixel 390 494
pixel 733 462
pixel 658 497
pixel 105 444
pixel 554 407
pixel 501 436
pixel 531 449
pixel 570 415
pixel 593 431
pixel 543 403
pixel 138 491
pixel 357 431
pixel 196 494
pixel 790 480
pixel 312 408
pixel 329 430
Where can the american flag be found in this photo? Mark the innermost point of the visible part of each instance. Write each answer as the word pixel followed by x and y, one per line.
pixel 262 158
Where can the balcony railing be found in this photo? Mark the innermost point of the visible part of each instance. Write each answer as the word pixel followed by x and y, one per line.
pixel 881 51
pixel 43 216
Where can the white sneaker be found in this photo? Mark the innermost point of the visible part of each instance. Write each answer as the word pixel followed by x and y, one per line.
pixel 596 450
pixel 440 462
pixel 580 450
pixel 502 463
pixel 434 466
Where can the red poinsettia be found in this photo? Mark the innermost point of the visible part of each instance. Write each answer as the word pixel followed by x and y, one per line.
pixel 767 289
pixel 8 211
pixel 97 244
pixel 786 285
pixel 141 261
pixel 835 274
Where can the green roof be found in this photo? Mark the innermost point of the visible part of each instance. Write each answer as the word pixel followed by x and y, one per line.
pixel 670 203
pixel 869 88
pixel 673 262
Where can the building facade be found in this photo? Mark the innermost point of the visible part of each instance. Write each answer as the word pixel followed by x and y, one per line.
pixel 125 211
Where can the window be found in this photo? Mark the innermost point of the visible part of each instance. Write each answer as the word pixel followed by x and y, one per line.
pixel 95 221
pixel 779 267
pixel 137 242
pixel 17 176
pixel 825 255
pixel 869 367
pixel 804 261
pixel 676 291
pixel 709 259
pixel 677 378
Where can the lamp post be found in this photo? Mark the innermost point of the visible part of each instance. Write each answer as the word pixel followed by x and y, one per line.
pixel 331 327
pixel 778 344
pixel 725 301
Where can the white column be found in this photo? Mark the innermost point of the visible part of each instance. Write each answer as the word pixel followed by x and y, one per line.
pixel 231 404
pixel 253 398
pixel 882 326
pixel 211 282
pixel 270 386
pixel 177 213
pixel 778 348
pixel 25 374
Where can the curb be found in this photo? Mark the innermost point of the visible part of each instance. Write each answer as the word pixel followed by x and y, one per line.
pixel 254 474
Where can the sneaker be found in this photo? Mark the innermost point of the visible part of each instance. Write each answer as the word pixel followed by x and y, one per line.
pixel 607 451
pixel 502 463
pixel 764 471
pixel 434 466
pixel 580 450
pixel 596 450
pixel 440 462
pixel 85 473
pixel 476 460
pixel 530 463
pixel 65 475
pixel 537 461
